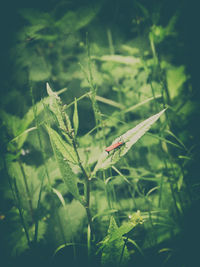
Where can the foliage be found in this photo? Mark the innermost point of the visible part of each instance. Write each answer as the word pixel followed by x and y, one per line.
pixel 64 189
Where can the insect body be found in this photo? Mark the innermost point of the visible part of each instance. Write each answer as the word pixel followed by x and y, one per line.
pixel 114 146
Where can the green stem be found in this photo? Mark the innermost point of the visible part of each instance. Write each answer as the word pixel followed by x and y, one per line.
pixel 19 206
pixel 153 49
pixel 151 222
pixel 87 186
pixel 27 191
pixel 110 42
pixel 43 159
pixel 46 172
pixel 121 256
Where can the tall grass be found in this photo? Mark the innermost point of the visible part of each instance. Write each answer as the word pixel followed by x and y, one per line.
pixel 74 202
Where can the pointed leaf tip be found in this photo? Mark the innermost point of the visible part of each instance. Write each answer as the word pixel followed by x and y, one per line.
pixel 129 138
pixel 75 117
pixel 49 90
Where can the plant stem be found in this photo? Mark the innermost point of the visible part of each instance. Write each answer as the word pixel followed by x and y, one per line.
pixel 21 213
pixel 110 42
pixel 155 57
pixel 46 172
pixel 87 186
pixel 122 253
pixel 27 190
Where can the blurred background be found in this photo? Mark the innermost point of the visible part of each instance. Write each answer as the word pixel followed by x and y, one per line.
pixel 145 50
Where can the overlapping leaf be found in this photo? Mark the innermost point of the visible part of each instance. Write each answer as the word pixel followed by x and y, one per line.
pixel 114 253
pixel 68 176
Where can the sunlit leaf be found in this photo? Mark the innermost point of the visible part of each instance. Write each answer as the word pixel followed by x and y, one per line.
pixel 131 50
pixel 126 227
pixel 180 182
pixel 75 118
pixel 141 103
pixel 59 195
pixel 114 251
pixel 109 102
pixel 24 135
pixel 127 60
pixel 175 79
pixel 129 138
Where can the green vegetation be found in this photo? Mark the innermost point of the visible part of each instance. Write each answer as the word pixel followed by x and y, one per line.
pixel 79 84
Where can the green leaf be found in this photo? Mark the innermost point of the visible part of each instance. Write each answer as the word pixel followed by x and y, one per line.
pixel 72 218
pixel 180 182
pixel 18 242
pixel 12 122
pixel 75 118
pixel 27 181
pixel 65 149
pixel 66 245
pixel 126 227
pixel 68 176
pixel 22 137
pixel 59 195
pixel 35 17
pixel 104 213
pixel 114 251
pixel 39 107
pixel 56 106
pixel 175 79
pixel 127 60
pixel 18 127
pixel 129 138
pixel 141 103
pixel 73 21
pixel 39 70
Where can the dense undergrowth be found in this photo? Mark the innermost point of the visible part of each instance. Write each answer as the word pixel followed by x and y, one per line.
pixel 80 85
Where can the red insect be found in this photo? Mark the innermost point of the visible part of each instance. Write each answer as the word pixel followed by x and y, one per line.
pixel 115 146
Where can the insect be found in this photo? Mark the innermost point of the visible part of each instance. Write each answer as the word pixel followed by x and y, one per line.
pixel 115 146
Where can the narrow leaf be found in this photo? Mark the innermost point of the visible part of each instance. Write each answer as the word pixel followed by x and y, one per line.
pixel 75 118
pixel 56 106
pixel 127 60
pixel 136 245
pixel 129 138
pixel 104 213
pixel 59 195
pixel 109 102
pixel 24 134
pixel 141 103
pixel 66 245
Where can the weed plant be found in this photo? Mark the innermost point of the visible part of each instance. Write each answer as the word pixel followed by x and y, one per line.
pixel 69 201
